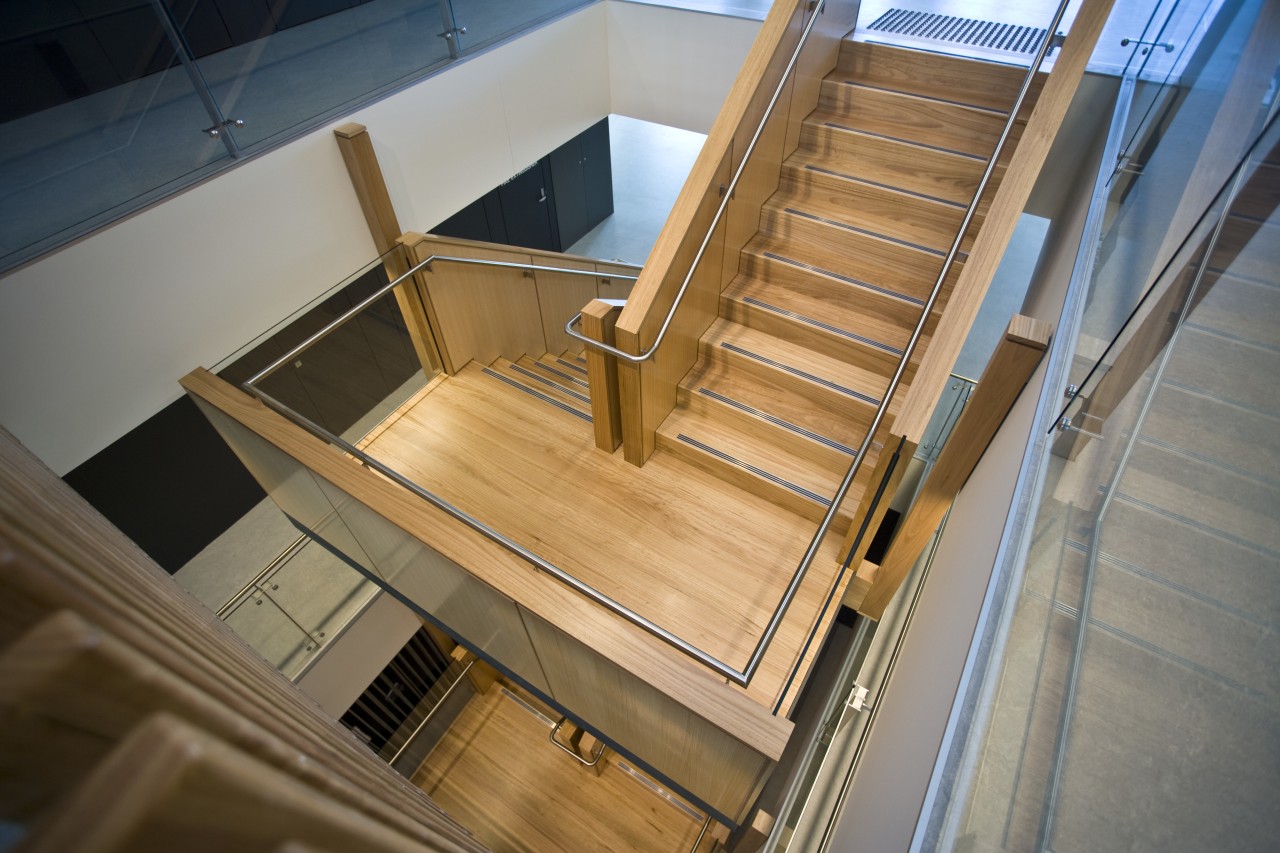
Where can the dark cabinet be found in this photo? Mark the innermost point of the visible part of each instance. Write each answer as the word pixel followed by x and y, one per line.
pixel 582 177
pixel 549 205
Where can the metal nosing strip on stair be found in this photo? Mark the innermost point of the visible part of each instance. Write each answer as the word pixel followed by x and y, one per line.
pixel 795 371
pixel 774 256
pixel 925 196
pixel 1256 547
pixel 1181 588
pixel 534 392
pixel 759 472
pixel 905 141
pixel 992 110
pixel 975 32
pixel 1228 336
pixel 566 377
pixel 862 339
pixel 777 421
pixel 545 381
pixel 1188 453
pixel 1209 395
pixel 572 366
pixel 1158 651
pixel 836 224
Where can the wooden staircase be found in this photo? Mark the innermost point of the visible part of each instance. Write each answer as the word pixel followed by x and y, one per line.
pixel 828 291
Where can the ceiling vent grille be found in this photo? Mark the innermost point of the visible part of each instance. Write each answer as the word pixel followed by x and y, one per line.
pixel 966 31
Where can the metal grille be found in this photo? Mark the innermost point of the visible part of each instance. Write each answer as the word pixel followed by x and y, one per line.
pixel 968 31
pixel 390 700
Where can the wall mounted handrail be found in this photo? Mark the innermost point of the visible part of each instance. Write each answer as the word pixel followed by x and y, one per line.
pixel 744 676
pixel 726 197
pixel 423 264
pixel 432 713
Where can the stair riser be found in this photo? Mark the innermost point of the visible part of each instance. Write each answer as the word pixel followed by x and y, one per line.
pixel 907 217
pixel 788 440
pixel 982 84
pixel 855 409
pixel 1240 308
pixel 570 397
pixel 744 479
pixel 813 337
pixel 946 125
pixel 898 164
pixel 899 313
pixel 903 269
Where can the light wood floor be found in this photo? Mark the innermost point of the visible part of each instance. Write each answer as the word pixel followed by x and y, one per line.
pixel 496 774
pixel 702 558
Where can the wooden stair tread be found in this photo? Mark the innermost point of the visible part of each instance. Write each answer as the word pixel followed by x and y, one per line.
pixel 941 123
pixel 854 386
pixel 818 320
pixel 974 82
pixel 1246 439
pixel 898 265
pixel 807 183
pixel 755 461
pixel 1240 307
pixel 661 539
pixel 774 256
pixel 920 169
pixel 1232 371
pixel 781 401
pixel 532 382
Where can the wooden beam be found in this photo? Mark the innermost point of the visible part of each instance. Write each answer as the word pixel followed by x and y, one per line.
pixel 380 214
pixel 598 320
pixel 891 464
pixel 1007 206
pixel 1015 358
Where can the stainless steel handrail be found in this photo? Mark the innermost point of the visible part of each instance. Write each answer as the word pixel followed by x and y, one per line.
pixel 812 552
pixel 383 291
pixel 740 677
pixel 280 559
pixel 431 714
pixel 711 229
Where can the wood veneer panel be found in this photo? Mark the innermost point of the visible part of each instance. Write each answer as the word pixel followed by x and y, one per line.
pixel 1006 207
pixel 629 647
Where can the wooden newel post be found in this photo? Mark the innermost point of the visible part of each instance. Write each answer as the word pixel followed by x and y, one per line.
pixel 598 320
pixel 1012 364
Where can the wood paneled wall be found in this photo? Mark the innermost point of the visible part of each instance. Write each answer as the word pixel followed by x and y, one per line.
pixel 120 696
pixel 648 389
pixel 479 313
pixel 685 724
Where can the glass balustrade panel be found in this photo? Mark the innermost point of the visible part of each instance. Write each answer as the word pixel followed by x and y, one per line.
pixel 97 115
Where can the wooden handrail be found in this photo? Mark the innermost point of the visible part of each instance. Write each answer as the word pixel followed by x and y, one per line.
pixel 648 390
pixel 1012 364
pixel 1006 206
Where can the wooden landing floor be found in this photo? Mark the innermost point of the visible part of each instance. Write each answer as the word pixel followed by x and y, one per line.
pixel 496 773
pixel 705 560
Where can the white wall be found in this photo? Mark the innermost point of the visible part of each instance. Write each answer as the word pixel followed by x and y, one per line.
pixel 94 338
pixel 674 67
pixel 354 660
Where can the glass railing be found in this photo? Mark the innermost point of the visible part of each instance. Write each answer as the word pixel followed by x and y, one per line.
pixel 356 363
pixel 122 105
pixel 1158 190
pixel 297 606
pixel 1134 654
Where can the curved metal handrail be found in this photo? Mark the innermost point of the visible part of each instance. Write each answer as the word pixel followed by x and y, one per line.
pixel 423 264
pixel 715 221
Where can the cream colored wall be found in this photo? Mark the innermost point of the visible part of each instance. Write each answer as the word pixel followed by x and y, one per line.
pixel 355 659
pixel 673 67
pixel 93 338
